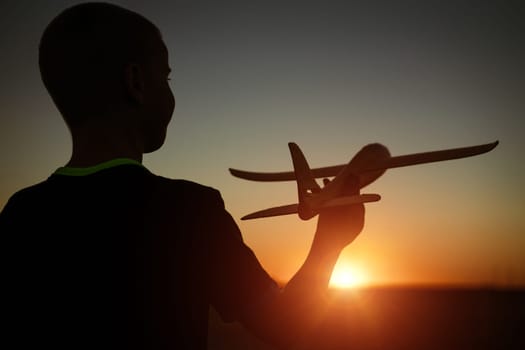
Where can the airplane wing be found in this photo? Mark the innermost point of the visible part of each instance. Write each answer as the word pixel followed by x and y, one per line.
pixel 293 208
pixel 392 162
pixel 349 200
pixel 284 176
pixel 275 211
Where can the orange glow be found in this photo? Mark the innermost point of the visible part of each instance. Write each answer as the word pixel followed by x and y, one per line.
pixel 348 276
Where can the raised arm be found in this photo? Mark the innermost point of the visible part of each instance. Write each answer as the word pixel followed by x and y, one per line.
pixel 289 315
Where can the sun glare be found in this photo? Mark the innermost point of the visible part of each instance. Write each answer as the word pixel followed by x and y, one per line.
pixel 347 277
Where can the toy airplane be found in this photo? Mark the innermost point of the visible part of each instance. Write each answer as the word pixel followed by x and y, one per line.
pixel 365 167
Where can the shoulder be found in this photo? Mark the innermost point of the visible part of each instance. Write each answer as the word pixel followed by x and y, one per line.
pixel 189 191
pixel 186 185
pixel 29 199
pixel 28 194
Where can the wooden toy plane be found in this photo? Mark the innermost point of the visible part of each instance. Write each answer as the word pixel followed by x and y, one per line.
pixel 365 167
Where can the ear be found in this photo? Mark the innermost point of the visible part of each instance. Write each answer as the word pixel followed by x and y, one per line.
pixel 134 82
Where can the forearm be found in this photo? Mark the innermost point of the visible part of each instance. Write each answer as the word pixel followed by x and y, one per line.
pixel 290 315
pixel 301 305
pixel 314 274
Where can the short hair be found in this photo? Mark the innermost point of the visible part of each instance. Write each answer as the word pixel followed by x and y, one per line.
pixel 83 52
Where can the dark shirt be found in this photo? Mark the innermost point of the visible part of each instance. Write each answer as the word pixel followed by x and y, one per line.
pixel 123 259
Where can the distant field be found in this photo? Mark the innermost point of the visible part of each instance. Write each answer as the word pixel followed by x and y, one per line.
pixel 405 319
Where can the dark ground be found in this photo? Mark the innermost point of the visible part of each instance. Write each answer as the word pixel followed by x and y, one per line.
pixel 405 318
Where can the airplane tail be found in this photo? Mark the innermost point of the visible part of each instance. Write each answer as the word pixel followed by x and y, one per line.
pixel 306 183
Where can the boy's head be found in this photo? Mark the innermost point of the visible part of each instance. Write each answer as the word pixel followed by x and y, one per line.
pixel 101 61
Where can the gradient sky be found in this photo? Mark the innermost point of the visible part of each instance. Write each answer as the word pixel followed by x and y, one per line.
pixel 332 76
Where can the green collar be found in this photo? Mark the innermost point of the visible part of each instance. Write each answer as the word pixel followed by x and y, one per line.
pixel 72 171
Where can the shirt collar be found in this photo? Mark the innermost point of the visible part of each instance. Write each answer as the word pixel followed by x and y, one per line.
pixel 77 171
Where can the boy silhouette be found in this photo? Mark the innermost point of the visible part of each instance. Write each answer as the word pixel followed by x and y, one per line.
pixel 104 254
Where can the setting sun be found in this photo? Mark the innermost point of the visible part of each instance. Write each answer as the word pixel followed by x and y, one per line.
pixel 346 276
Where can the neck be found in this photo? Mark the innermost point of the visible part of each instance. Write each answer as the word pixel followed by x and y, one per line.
pixel 93 146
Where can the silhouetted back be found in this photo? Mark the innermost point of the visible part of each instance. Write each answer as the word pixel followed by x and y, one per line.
pixel 122 259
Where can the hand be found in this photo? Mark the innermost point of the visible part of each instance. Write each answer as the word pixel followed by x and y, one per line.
pixel 337 227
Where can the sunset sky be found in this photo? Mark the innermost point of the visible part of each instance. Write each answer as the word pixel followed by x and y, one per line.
pixel 332 76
